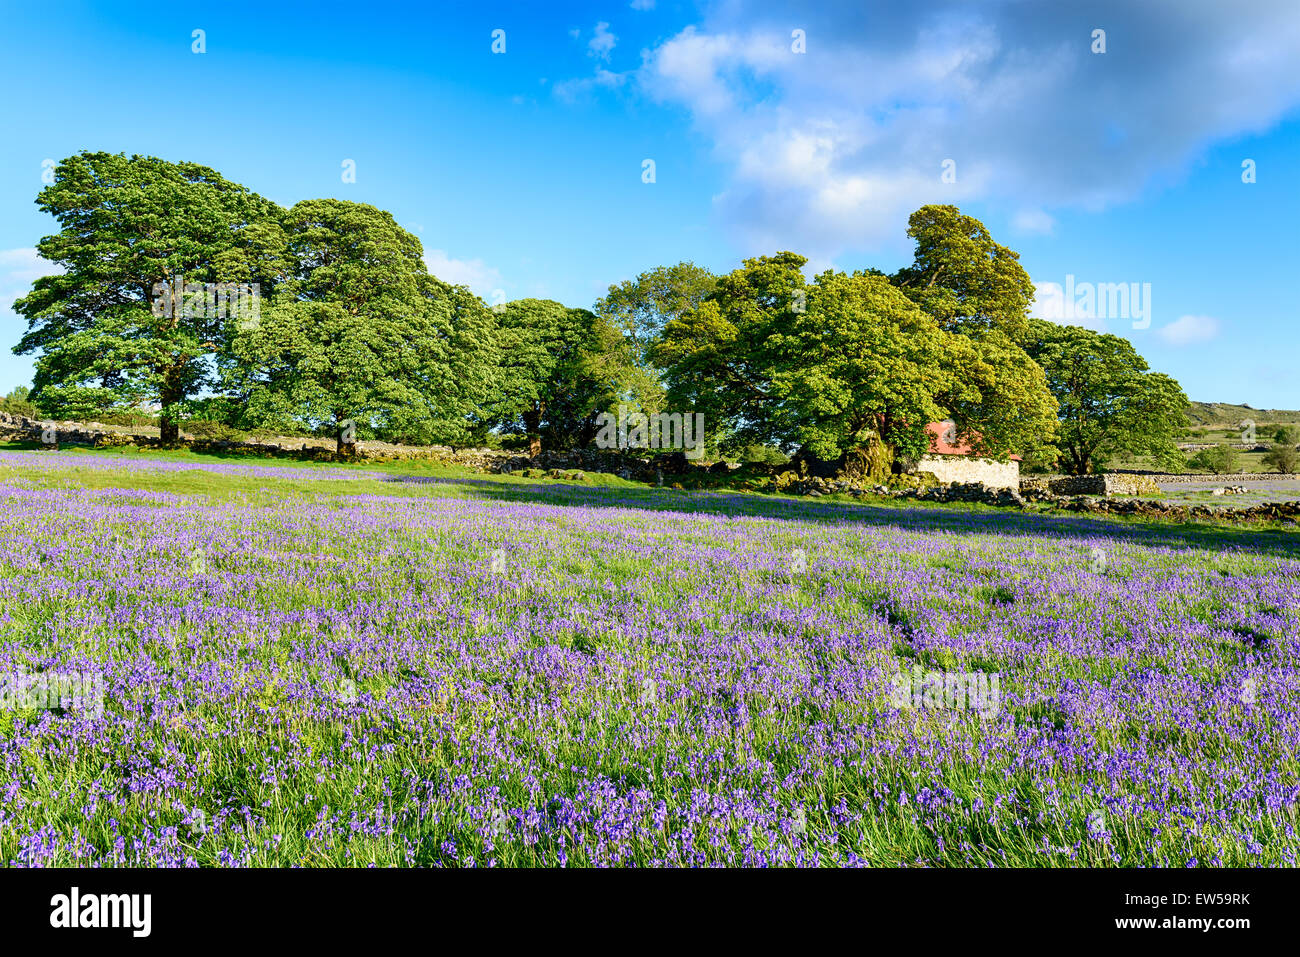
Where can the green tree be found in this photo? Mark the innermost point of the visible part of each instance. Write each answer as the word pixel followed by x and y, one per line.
pixel 107 337
pixel 639 309
pixel 860 362
pixel 843 364
pixel 470 380
pixel 1282 458
pixel 18 402
pixel 998 398
pixel 756 454
pixel 961 277
pixel 1287 435
pixel 559 370
pixel 358 343
pixel 1221 459
pixel 719 359
pixel 1110 404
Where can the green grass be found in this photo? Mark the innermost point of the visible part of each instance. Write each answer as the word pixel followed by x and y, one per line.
pixel 859 551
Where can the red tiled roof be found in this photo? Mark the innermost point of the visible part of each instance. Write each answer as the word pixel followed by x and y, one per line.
pixel 943 440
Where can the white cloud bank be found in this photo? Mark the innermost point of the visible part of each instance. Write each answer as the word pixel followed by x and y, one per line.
pixel 830 149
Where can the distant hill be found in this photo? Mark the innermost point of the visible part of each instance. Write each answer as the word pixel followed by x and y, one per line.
pixel 1222 413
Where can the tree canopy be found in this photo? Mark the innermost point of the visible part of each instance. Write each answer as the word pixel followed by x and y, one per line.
pixel 1110 403
pixel 959 275
pixel 130 225
pixel 998 399
pixel 716 359
pixel 359 340
pixel 639 309
pixel 559 369
pixel 825 367
pixel 351 336
pixel 860 361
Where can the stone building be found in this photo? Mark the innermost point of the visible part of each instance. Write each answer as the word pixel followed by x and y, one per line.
pixel 952 461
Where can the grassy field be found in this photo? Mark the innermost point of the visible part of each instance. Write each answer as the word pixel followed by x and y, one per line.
pixel 1246 462
pixel 1212 423
pixel 329 666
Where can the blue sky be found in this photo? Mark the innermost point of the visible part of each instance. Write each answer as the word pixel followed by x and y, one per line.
pixel 522 172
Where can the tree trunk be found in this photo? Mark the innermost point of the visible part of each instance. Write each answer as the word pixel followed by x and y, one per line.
pixel 1079 461
pixel 871 461
pixel 533 426
pixel 170 394
pixel 169 428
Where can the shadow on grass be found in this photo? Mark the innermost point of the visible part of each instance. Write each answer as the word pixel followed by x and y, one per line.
pixel 914 516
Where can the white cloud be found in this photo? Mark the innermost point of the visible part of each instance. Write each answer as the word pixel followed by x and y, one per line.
pixel 1033 221
pixel 480 277
pixel 599 46
pixel 1189 330
pixel 687 69
pixel 602 43
pixel 829 150
pixel 1050 303
pixel 642 4
pixel 572 90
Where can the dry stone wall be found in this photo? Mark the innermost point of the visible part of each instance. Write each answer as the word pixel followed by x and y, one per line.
pixel 1200 477
pixel 1111 483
